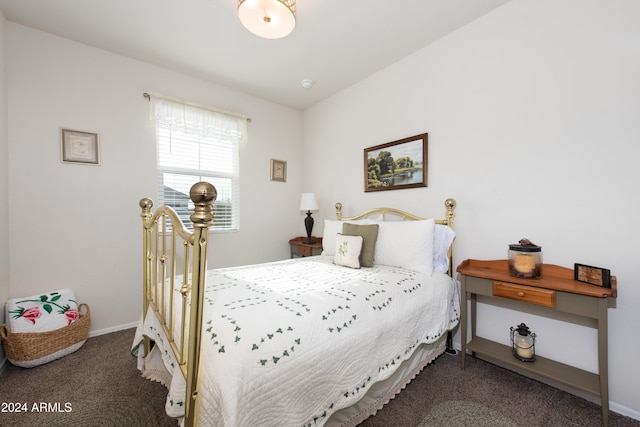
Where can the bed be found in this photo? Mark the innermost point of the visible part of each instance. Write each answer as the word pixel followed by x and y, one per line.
pixel 322 340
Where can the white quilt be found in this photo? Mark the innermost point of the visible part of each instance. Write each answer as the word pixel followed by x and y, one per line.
pixel 289 343
pixel 42 312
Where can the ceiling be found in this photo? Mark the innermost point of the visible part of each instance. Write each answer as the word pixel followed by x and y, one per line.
pixel 335 43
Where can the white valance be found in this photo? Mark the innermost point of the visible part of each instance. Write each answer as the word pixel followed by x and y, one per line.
pixel 194 119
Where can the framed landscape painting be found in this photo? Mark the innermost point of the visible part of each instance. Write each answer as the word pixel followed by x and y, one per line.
pixel 396 165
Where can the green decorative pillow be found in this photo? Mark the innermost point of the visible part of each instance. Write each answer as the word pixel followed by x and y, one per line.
pixel 369 235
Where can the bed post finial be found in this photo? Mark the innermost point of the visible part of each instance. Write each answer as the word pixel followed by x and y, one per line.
pixel 339 210
pixel 450 204
pixel 146 204
pixel 203 195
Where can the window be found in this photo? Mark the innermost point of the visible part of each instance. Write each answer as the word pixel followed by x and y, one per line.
pixel 197 144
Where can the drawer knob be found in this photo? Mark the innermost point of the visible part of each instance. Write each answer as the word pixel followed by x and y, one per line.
pixel 520 293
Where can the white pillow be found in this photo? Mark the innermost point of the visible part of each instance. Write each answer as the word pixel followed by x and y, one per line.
pixel 348 250
pixel 406 244
pixel 442 239
pixel 331 228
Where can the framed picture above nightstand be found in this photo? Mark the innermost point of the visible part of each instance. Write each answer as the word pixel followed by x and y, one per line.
pixel 278 170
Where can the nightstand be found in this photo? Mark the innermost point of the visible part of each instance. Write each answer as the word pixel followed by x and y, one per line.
pixel 298 248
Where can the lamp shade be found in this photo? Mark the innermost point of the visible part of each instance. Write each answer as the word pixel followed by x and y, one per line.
pixel 270 19
pixel 308 202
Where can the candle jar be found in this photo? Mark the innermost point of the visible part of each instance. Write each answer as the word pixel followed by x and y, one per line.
pixel 523 343
pixel 525 260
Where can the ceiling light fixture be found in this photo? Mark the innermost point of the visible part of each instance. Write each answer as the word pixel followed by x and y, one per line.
pixel 271 19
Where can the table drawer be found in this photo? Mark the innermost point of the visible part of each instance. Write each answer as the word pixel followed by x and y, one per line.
pixel 528 294
pixel 303 250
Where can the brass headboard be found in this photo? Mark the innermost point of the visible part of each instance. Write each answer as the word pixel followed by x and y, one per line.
pixel 449 204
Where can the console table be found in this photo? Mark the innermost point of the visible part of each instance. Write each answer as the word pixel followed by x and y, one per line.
pixel 556 292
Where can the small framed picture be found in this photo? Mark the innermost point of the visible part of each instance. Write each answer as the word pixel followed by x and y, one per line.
pixel 278 170
pixel 592 275
pixel 78 146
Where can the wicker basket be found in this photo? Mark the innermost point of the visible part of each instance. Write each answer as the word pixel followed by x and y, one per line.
pixel 29 349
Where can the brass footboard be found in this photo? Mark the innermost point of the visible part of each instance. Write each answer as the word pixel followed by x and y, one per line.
pixel 162 232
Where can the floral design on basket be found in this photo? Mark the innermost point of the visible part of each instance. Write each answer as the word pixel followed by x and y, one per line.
pixel 47 302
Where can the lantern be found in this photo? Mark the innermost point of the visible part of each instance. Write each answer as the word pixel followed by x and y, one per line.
pixel 523 343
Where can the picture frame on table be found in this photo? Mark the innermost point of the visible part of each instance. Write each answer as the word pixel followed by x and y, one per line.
pixel 593 275
pixel 79 147
pixel 396 165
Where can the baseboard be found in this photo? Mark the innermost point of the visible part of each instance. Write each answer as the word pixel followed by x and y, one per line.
pixel 112 329
pixel 623 410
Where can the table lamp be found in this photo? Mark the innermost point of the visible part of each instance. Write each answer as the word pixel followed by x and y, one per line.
pixel 308 203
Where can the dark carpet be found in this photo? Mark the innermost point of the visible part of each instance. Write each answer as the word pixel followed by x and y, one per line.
pixel 99 385
pixel 461 413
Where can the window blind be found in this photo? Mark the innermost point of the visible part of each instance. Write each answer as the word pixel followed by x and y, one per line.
pixel 195 144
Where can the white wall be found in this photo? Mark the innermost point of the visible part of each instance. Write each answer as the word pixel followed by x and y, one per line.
pixel 4 186
pixel 532 113
pixel 78 226
pixel 532 119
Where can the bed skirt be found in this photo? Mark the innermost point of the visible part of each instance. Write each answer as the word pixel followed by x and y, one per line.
pixel 384 391
pixel 154 368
